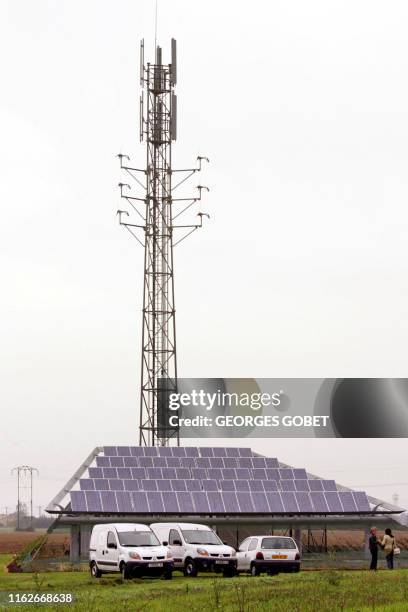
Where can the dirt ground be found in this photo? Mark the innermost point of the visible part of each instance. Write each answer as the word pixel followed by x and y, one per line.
pixel 14 541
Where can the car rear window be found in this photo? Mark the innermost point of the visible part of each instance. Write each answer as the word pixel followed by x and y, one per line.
pixel 278 543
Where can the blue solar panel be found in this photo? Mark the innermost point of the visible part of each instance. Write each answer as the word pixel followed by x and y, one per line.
pixel 188 462
pixel 86 484
pixel 244 452
pixel 148 485
pixel 270 485
pixel 215 473
pixel 272 474
pixel 117 461
pixel 179 451
pixel 304 502
pixel 155 473
pixel 199 473
pixel 228 474
pixel 216 462
pixel 286 474
pixel 102 461
pixel 275 502
pixel 138 472
pixel 110 451
pixel 319 502
pixel 146 461
pixel 287 485
pixel 116 484
pixel 302 485
pixel 164 485
pixel 258 462
pixel 219 451
pixel 230 462
pixel 243 473
pixel 155 502
pixel 165 451
pixel 150 451
pixel 200 502
pixel 256 485
pixel 178 485
pixel 93 501
pixel 110 472
pixel 124 501
pixel 289 501
pixel 230 501
pixel 347 501
pixel 206 451
pixel 137 451
pixel 159 462
pixel 242 485
pixel 102 484
pixel 315 485
pixel 185 502
pixel 210 485
pixel 203 462
pixel 169 473
pixel 227 485
pixel 170 502
pixel 329 485
pixel 78 501
pixel 361 501
pixel 260 503
pixel 183 473
pixel 131 485
pixel 333 501
pixel 215 502
pixel 108 499
pixel 124 451
pixel 124 473
pixel 271 462
pixel 95 472
pixel 299 474
pixel 232 452
pixel 173 462
pixel 244 462
pixel 131 461
pixel 140 502
pixel 259 473
pixel 193 485
pixel 245 502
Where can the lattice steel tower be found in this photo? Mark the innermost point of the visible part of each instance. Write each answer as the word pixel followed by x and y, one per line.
pixel 156 209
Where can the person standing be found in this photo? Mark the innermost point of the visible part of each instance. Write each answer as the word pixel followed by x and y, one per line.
pixel 388 544
pixel 373 544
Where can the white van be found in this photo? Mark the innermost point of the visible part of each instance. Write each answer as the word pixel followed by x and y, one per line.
pixel 129 548
pixel 196 548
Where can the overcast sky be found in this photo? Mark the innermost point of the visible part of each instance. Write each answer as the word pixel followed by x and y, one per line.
pixel 301 271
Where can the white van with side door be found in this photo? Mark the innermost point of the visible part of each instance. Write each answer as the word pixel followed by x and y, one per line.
pixel 196 548
pixel 129 548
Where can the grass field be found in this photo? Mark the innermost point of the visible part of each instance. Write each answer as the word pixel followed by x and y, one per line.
pixel 331 590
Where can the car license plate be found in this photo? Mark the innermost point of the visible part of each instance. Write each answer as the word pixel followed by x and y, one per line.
pixel 221 561
pixel 158 564
pixel 279 556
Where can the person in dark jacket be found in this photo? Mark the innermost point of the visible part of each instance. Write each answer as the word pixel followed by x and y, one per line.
pixel 373 544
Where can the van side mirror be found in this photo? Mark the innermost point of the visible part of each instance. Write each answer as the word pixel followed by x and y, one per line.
pixel 177 543
pixel 112 545
pixel 165 543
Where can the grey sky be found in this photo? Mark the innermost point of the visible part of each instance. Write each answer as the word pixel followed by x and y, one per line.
pixel 302 270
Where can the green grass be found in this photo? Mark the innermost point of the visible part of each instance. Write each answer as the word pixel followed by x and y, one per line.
pixel 331 590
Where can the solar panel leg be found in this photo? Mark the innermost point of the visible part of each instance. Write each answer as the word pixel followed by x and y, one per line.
pixel 298 539
pixel 74 547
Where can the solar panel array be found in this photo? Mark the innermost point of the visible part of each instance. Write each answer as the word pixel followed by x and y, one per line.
pixel 207 480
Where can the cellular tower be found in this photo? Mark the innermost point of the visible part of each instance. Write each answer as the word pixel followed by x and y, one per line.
pixel 158 229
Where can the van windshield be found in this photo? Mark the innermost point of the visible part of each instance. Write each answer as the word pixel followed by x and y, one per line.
pixel 278 543
pixel 138 538
pixel 200 536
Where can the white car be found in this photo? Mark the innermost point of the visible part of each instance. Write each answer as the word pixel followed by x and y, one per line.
pixel 196 548
pixel 129 548
pixel 271 554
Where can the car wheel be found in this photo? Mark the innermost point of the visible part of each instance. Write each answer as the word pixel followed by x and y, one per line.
pixel 254 570
pixel 229 572
pixel 190 568
pixel 125 571
pixel 168 575
pixel 95 571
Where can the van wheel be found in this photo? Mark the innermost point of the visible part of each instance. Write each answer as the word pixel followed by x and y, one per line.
pixel 95 571
pixel 125 571
pixel 190 568
pixel 168 575
pixel 229 572
pixel 255 570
